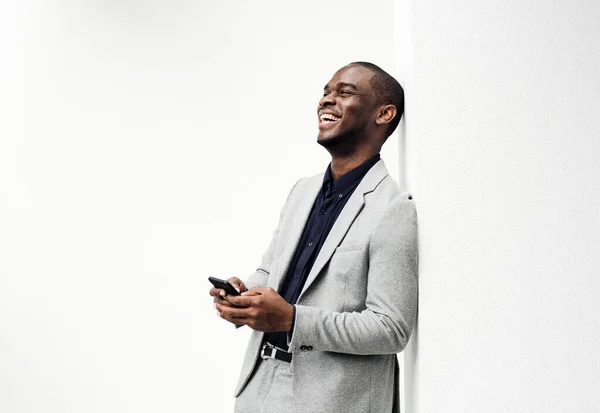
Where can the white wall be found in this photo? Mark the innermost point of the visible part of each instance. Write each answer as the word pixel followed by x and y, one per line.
pixel 143 147
pixel 504 118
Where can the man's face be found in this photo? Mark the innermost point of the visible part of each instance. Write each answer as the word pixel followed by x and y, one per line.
pixel 347 109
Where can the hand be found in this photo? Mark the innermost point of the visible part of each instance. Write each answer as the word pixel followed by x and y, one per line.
pixel 261 309
pixel 219 294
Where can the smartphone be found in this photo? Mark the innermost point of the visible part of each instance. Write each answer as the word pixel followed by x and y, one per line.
pixel 224 285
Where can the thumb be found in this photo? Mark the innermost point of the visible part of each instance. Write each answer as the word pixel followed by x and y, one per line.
pixel 238 284
pixel 252 291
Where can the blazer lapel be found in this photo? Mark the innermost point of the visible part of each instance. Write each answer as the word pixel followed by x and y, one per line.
pixel 344 220
pixel 300 216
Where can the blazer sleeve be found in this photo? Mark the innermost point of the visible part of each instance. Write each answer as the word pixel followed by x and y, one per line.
pixel 260 277
pixel 385 325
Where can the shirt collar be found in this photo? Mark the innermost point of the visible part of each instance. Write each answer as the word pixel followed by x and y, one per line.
pixel 350 179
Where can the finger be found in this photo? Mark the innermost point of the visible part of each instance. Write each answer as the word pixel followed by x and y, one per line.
pixel 238 284
pixel 251 292
pixel 228 311
pixel 227 317
pixel 241 300
pixel 215 292
pixel 235 320
pixel 225 300
pixel 221 300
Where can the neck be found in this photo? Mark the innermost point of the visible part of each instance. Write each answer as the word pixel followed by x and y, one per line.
pixel 341 164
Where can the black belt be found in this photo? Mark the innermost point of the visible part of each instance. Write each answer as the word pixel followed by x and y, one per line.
pixel 269 351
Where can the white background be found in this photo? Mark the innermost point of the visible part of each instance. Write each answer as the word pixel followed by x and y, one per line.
pixel 503 120
pixel 143 147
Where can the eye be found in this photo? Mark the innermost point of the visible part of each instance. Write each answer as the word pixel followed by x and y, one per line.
pixel 325 93
pixel 345 92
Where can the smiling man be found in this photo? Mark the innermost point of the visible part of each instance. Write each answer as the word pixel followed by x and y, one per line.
pixel 335 296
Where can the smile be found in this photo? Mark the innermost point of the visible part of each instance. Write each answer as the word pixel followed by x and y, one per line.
pixel 328 117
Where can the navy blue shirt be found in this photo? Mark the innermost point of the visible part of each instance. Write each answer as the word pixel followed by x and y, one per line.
pixel 327 207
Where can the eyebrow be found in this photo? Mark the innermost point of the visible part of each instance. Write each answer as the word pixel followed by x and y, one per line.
pixel 341 85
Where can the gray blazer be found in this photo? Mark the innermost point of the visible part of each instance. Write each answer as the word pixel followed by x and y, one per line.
pixel 358 306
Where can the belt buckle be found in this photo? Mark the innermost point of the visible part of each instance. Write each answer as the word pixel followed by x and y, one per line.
pixel 270 356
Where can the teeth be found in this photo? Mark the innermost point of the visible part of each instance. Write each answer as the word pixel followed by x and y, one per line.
pixel 329 117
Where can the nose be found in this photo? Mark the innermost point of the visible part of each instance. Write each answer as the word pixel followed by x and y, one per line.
pixel 327 100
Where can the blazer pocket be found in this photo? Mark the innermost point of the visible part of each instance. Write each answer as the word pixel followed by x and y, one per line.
pixel 343 277
pixel 347 248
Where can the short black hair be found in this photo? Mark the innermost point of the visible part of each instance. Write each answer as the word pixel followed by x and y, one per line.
pixel 387 91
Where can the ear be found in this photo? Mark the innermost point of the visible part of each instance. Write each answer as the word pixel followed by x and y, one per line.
pixel 386 114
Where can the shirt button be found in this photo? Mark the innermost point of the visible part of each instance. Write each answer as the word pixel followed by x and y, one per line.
pixel 296 275
pixel 310 244
pixel 340 195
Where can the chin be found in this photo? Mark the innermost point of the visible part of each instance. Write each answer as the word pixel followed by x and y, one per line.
pixel 328 141
pixel 338 144
pixel 341 143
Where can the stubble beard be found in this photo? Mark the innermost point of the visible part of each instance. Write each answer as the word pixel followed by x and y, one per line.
pixel 344 143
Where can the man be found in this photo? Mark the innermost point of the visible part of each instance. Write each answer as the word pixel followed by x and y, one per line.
pixel 335 296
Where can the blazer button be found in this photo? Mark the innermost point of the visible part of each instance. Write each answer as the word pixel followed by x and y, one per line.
pixel 302 347
pixel 309 347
